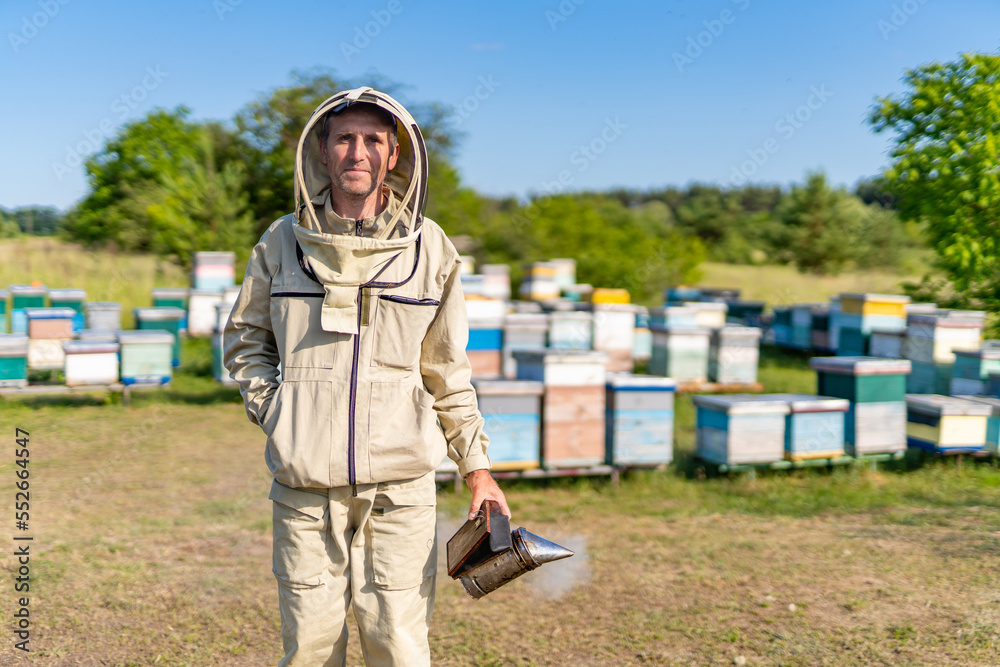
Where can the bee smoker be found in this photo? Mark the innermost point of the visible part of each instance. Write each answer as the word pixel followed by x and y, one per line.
pixel 485 554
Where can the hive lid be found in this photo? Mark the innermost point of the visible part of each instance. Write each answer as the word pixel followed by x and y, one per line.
pixel 526 320
pixel 145 336
pixel 170 292
pixel 504 387
pixel 730 331
pixel 28 290
pixel 986 353
pixel 743 404
pixel 97 335
pixel 89 347
pixel 205 291
pixel 994 403
pixel 679 330
pixel 158 313
pixel 944 322
pixel 102 305
pixel 707 305
pixel 485 323
pixel 13 342
pixel 67 294
pixel 49 313
pixel 936 404
pixel 885 298
pixel 626 381
pixel 549 356
pixel 861 365
pixel 812 403
pixel 209 256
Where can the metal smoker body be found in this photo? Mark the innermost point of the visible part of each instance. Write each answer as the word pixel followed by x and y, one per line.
pixel 527 552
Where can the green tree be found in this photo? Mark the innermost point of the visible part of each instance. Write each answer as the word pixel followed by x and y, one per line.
pixel 945 170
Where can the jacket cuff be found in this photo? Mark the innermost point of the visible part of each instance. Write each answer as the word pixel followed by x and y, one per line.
pixel 476 462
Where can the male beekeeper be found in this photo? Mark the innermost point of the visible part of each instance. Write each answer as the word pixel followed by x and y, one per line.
pixel 357 294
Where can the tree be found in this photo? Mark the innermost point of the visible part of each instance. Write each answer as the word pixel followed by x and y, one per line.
pixel 945 170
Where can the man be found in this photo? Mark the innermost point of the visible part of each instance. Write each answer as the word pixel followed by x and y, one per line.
pixel 358 296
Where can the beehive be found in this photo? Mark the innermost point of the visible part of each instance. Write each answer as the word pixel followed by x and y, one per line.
pixel 739 310
pixel 496 281
pixel 512 410
pixel 539 283
pixel 22 297
pixel 485 347
pixel 483 308
pixel 734 354
pixel 146 356
pixel 820 334
pixel 213 270
pixel 202 311
pixel 814 426
pixel 570 330
pixel 522 331
pixel 971 371
pixel 90 362
pixel 992 422
pixel 709 314
pixel 680 293
pixel 860 314
pixel 47 328
pixel 801 319
pixel 875 423
pixel 639 420
pixel 680 353
pixel 993 385
pixel 103 315
pixel 572 406
pixel 781 326
pixel 564 272
pixel 672 316
pixel 642 342
pixel 945 424
pixel 13 360
pixel 886 344
pixel 735 429
pixel 70 298
pixel 614 333
pixel 931 341
pixel 166 318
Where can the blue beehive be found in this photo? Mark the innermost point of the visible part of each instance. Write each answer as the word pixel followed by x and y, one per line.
pixel 522 331
pixel 734 429
pixel 512 411
pixel 814 426
pixel 639 420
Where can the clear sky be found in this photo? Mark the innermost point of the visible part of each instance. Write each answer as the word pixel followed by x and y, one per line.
pixel 550 95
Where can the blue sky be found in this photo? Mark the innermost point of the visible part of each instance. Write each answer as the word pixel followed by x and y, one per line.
pixel 550 95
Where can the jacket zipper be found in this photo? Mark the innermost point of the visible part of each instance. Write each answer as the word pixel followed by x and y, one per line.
pixel 413 302
pixel 353 402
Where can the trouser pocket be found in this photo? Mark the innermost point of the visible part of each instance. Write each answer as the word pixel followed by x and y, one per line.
pixel 403 533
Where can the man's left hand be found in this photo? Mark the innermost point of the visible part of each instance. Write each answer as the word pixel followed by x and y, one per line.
pixel 483 488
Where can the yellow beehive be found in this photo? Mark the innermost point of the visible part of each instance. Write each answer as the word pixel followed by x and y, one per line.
pixel 610 295
pixel 874 304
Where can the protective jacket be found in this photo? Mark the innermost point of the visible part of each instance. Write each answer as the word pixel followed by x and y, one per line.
pixel 370 330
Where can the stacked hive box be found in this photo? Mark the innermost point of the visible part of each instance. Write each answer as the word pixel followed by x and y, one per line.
pixel 680 353
pixel 639 420
pixel 642 340
pixel 931 341
pixel 572 405
pixel 614 334
pixel 4 328
pixel 213 270
pixel 13 360
pixel 70 298
pixel 672 316
pixel 496 281
pixel 103 315
pixel 166 318
pixel 886 344
pixel 860 314
pixel 173 297
pixel 485 347
pixel 47 329
pixel 146 356
pixel 22 297
pixel 203 311
pixel 992 422
pixel 522 331
pixel 570 330
pixel 90 362
pixel 740 311
pixel 564 274
pixel 971 372
pixel 539 282
pixel 734 354
pixel 781 326
pixel 820 335
pixel 801 319
pixel 814 426
pixel 739 429
pixel 709 314
pixel 681 293
pixel 876 388
pixel 512 410
pixel 945 424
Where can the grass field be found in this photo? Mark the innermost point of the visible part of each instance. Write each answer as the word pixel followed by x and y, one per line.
pixel 151 530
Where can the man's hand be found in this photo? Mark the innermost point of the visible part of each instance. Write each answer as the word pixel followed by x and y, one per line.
pixel 484 487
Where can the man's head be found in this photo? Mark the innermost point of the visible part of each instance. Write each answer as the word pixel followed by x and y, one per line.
pixel 358 145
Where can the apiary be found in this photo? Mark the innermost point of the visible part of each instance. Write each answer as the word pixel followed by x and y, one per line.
pixel 735 429
pixel 734 354
pixel 946 424
pixel 146 356
pixel 512 410
pixel 639 420
pixel 572 404
pixel 680 353
pixel 90 362
pixel 167 318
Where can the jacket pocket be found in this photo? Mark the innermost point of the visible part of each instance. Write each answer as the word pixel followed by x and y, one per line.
pixel 400 324
pixel 403 533
pixel 299 426
pixel 405 439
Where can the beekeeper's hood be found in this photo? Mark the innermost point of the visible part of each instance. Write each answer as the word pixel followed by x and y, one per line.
pixel 341 262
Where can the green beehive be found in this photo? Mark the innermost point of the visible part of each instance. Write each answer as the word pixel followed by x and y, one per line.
pixel 146 356
pixel 861 379
pixel 13 360
pixel 166 318
pixel 70 298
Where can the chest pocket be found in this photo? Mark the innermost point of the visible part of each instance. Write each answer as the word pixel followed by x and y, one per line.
pixel 400 323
